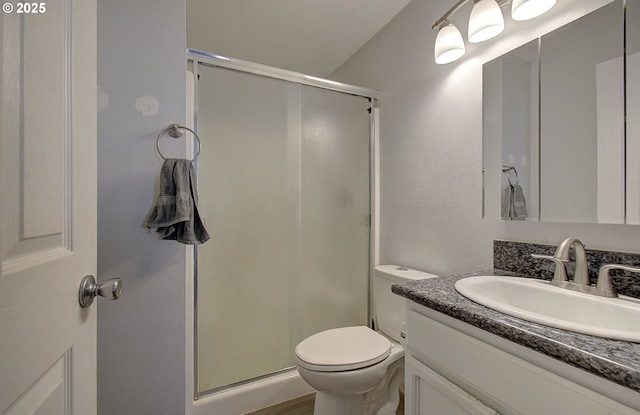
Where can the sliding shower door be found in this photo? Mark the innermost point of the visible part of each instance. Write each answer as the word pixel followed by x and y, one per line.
pixel 285 194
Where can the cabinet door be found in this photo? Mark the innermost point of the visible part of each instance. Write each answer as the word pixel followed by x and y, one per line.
pixel 428 393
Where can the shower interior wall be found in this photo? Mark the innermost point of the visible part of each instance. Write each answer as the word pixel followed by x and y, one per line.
pixel 285 192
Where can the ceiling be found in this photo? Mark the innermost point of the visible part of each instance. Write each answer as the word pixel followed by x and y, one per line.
pixel 314 37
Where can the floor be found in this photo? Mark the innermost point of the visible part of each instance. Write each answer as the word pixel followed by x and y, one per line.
pixel 298 406
pixel 301 406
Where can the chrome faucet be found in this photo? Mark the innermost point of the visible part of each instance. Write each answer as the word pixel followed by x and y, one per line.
pixel 581 274
pixel 581 280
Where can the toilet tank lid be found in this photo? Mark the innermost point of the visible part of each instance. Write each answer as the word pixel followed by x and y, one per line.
pixel 398 273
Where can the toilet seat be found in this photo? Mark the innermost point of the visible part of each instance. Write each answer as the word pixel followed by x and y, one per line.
pixel 343 349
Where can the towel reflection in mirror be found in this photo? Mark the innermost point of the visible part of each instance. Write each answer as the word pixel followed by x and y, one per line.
pixel 514 206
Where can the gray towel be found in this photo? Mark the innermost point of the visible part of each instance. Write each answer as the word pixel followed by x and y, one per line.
pixel 507 206
pixel 175 215
pixel 519 204
pixel 514 206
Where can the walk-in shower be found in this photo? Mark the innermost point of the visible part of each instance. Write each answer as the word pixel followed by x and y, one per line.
pixel 285 179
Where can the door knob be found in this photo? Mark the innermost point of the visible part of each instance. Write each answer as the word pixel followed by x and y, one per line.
pixel 89 289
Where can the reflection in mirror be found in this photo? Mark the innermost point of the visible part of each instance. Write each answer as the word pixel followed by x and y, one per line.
pixel 582 120
pixel 633 111
pixel 564 102
pixel 510 136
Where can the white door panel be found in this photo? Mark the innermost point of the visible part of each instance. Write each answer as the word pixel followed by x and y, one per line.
pixel 48 209
pixel 432 394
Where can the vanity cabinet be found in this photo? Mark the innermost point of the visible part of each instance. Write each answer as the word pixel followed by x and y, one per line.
pixel 433 394
pixel 453 368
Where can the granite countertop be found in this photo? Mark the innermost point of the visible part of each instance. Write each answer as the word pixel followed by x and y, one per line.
pixel 614 360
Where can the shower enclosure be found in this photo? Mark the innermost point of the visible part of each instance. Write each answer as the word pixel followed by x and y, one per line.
pixel 284 180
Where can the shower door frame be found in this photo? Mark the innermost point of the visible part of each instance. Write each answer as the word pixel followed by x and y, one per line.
pixel 196 58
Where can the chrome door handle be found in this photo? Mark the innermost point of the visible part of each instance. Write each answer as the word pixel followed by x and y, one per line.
pixel 89 289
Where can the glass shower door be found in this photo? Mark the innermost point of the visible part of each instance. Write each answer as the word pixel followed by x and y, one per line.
pixel 335 199
pixel 284 191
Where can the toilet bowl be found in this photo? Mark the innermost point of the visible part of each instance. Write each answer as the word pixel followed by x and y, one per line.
pixel 358 379
pixel 356 370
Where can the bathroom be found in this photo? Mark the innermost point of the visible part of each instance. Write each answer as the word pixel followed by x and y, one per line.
pixel 431 158
pixel 430 183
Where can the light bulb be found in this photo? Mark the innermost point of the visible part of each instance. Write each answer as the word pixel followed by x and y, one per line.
pixel 449 44
pixel 486 21
pixel 528 9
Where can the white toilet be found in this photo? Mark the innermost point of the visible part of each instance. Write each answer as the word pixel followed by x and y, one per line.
pixel 356 370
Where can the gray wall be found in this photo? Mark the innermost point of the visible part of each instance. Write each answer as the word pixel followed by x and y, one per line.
pixel 431 144
pixel 141 337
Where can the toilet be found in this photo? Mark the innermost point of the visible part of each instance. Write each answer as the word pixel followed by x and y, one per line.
pixel 356 370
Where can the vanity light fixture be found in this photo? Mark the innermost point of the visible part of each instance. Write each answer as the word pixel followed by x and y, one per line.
pixel 485 22
pixel 449 43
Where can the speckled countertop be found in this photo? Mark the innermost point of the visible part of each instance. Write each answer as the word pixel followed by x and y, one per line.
pixel 617 361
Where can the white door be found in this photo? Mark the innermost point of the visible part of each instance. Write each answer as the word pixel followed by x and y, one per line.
pixel 48 207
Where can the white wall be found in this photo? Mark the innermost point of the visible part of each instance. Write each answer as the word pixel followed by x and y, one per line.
pixel 141 337
pixel 431 143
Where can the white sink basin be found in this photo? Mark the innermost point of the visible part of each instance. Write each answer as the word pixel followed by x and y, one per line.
pixel 537 301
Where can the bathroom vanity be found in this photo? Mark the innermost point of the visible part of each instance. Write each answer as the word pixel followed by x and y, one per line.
pixel 463 358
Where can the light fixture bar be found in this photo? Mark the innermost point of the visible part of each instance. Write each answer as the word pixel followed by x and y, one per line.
pixel 449 12
pixel 485 22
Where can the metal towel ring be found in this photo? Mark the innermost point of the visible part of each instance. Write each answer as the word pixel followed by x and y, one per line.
pixel 507 169
pixel 175 131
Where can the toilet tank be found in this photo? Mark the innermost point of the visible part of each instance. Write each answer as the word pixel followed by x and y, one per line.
pixel 389 308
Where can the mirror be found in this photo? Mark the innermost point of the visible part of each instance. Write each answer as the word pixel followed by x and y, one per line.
pixel 633 112
pixel 554 112
pixel 582 120
pixel 510 134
